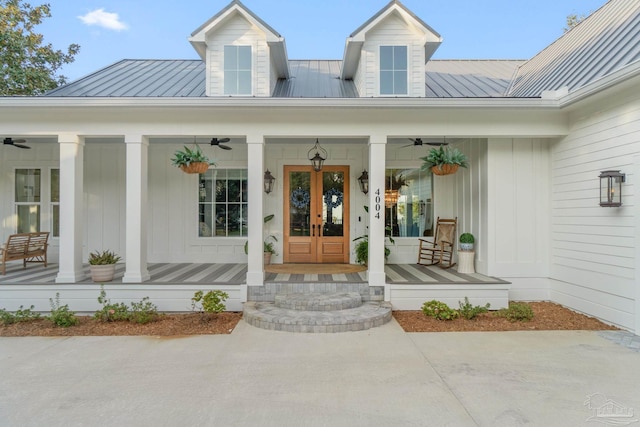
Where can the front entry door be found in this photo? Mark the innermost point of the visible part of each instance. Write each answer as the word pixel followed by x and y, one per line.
pixel 316 214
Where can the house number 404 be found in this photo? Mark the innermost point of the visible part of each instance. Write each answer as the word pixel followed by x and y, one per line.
pixel 377 204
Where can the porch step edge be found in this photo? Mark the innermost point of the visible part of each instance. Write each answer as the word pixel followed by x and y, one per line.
pixel 266 315
pixel 319 302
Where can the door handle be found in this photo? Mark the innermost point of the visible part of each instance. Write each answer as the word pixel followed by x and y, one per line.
pixel 319 230
pixel 313 230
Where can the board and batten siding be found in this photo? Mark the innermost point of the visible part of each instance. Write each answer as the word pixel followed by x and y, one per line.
pixel 238 31
pixel 594 260
pixel 393 31
pixel 517 215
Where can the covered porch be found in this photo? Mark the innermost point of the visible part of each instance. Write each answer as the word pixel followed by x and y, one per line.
pixel 171 285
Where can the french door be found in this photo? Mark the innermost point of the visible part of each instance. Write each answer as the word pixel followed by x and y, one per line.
pixel 316 214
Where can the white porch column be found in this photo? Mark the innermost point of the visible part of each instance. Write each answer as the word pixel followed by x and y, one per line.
pixel 136 209
pixel 255 175
pixel 377 161
pixel 71 208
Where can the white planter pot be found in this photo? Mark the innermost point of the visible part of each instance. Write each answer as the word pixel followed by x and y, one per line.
pixel 466 246
pixel 102 273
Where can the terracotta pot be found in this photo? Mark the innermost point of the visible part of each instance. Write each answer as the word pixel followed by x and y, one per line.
pixel 102 273
pixel 195 167
pixel 267 258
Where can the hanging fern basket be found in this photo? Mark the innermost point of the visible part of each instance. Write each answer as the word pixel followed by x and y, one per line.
pixel 195 167
pixel 445 169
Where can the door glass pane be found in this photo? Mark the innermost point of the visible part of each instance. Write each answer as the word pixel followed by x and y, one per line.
pixel 332 203
pixel 299 203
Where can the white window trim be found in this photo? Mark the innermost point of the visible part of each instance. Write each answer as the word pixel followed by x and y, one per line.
pixel 379 70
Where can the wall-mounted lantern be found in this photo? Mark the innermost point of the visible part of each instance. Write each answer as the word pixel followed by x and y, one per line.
pixel 611 188
pixel 268 182
pixel 320 156
pixel 363 180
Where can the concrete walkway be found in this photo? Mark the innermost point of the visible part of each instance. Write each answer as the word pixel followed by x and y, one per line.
pixel 378 377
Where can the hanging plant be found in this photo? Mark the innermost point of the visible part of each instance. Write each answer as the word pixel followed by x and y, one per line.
pixel 191 161
pixel 329 195
pixel 444 160
pixel 300 198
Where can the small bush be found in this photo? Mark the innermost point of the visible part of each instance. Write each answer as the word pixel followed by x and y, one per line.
pixel 21 315
pixel 439 310
pixel 144 311
pixel 60 314
pixel 517 311
pixel 470 312
pixel 211 302
pixel 110 312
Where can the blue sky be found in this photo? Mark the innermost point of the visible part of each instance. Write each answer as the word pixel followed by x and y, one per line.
pixel 110 30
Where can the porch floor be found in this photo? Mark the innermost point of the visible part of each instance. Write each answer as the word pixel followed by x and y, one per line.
pixel 235 274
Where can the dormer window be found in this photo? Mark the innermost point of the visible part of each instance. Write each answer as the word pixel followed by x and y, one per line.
pixel 393 70
pixel 237 70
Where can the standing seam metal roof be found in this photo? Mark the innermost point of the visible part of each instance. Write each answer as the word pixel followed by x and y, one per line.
pixel 606 41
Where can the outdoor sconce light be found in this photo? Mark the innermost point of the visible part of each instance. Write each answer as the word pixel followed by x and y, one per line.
pixel 318 159
pixel 611 188
pixel 268 182
pixel 363 180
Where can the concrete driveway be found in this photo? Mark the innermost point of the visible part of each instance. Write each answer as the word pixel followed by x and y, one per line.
pixel 379 377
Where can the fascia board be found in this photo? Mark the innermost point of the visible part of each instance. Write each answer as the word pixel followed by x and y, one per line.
pixel 250 102
pixel 351 58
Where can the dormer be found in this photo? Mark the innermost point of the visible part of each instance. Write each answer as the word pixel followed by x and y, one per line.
pixel 386 55
pixel 244 56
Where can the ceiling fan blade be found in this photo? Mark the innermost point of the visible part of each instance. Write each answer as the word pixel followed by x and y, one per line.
pixel 224 147
pixel 15 142
pixel 408 145
pixel 21 146
pixel 223 140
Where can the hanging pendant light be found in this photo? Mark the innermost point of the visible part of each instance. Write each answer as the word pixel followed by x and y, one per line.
pixel 317 160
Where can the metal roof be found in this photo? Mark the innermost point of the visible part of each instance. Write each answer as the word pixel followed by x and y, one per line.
pixel 469 78
pixel 315 79
pixel 140 78
pixel 606 41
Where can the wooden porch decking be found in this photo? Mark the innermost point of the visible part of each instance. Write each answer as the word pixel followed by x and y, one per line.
pixel 235 274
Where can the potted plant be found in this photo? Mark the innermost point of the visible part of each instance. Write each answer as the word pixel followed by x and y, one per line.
pixel 103 265
pixel 362 247
pixel 444 160
pixel 191 161
pixel 466 242
pixel 269 247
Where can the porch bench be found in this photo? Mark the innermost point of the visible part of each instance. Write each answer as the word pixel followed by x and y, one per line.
pixel 28 247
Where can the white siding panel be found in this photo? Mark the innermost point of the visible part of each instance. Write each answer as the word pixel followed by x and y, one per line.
pixel 594 249
pixel 518 214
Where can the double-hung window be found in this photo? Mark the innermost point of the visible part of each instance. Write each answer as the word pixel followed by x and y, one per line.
pixel 237 70
pixel 27 200
pixel 393 70
pixel 222 205
pixel 408 196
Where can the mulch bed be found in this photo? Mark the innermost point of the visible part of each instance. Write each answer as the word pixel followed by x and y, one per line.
pixel 547 316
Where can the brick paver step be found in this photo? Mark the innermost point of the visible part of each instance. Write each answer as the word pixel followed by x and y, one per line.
pixel 267 315
pixel 319 302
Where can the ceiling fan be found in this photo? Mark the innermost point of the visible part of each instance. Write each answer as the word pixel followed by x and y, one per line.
pixel 217 143
pixel 15 142
pixel 418 142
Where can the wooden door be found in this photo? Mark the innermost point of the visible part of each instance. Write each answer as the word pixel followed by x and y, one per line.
pixel 316 214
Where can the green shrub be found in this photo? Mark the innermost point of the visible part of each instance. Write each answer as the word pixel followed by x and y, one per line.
pixel 103 258
pixel 469 311
pixel 110 312
pixel 517 311
pixel 467 238
pixel 439 310
pixel 144 311
pixel 211 302
pixel 21 315
pixel 60 314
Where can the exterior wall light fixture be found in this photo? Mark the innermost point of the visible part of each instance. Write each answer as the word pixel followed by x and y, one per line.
pixel 611 188
pixel 320 156
pixel 363 181
pixel 268 182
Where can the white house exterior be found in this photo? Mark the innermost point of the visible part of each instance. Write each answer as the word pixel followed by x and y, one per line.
pixel 537 132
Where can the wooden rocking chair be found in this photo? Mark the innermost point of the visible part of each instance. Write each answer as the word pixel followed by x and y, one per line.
pixel 440 251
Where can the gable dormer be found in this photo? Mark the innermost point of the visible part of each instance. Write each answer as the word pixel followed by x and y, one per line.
pixel 244 56
pixel 386 55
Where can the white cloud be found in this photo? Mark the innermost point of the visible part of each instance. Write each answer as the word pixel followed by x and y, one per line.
pixel 104 19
